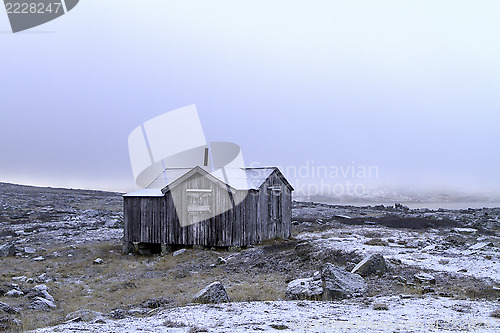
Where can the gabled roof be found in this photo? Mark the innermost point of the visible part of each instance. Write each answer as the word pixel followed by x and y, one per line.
pixel 192 172
pixel 243 179
pixel 257 176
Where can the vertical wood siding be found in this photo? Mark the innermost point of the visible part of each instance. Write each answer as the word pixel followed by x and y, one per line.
pixel 253 220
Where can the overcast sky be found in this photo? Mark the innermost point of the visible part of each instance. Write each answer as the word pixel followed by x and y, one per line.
pixel 409 87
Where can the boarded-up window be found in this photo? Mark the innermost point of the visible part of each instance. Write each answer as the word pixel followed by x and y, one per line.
pixel 199 204
pixel 275 210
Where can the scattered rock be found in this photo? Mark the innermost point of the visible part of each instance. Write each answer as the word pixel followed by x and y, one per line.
pixel 154 303
pixel 123 285
pixel 424 278
pixel 380 306
pixel 178 252
pixel 376 242
pixel 221 261
pixel 445 294
pixel 372 265
pixel 415 244
pixel 44 278
pixel 456 239
pixel 279 327
pixel 465 231
pixel 20 278
pixel 400 279
pixel 480 246
pixel 7 308
pixel 40 258
pixel 40 287
pixel 213 293
pixel 304 249
pixel 83 315
pixel 8 324
pixel 128 247
pixel 305 289
pixel 14 293
pixel 462 307
pixel 118 314
pixel 462 270
pixel 427 290
pixel 29 250
pixel 42 304
pixel 495 314
pixel 98 261
pixel 338 284
pixel 7 250
pixel 444 261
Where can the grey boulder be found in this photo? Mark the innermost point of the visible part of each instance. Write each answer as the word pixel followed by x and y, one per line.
pixel 7 308
pixel 339 284
pixel 213 293
pixel 7 250
pixel 372 265
pixel 305 289
pixel 424 278
pixel 41 304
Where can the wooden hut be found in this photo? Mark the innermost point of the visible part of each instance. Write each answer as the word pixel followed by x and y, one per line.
pixel 198 208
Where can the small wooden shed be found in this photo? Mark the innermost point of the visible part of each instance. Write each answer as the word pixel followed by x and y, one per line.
pixel 198 208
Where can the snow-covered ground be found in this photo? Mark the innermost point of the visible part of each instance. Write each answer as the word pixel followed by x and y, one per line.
pixel 427 314
pixel 428 253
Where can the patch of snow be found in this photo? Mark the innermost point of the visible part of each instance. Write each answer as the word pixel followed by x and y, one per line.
pixel 428 314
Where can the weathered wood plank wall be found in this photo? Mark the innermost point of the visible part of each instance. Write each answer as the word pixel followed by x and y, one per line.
pixel 253 220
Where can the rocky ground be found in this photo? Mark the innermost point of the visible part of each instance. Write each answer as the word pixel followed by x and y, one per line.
pixel 61 264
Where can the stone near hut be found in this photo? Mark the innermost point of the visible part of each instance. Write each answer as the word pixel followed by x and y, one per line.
pixel 221 261
pixel 98 261
pixel 339 284
pixel 372 265
pixel 213 293
pixel 424 278
pixel 179 252
pixel 7 250
pixel 165 249
pixel 128 247
pixel 304 250
pixel 305 289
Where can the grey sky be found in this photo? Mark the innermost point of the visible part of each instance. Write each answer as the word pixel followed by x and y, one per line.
pixel 411 87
